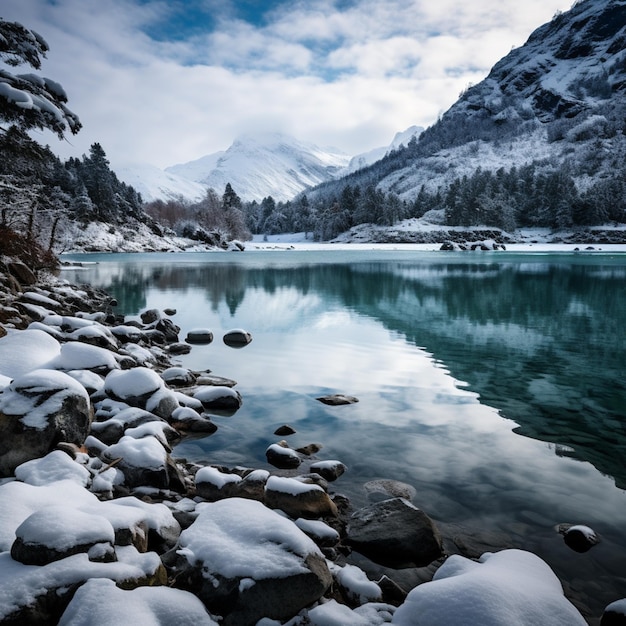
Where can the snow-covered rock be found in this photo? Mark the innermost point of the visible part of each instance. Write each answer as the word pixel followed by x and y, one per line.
pixel 37 410
pixel 246 562
pixel 101 601
pixel 502 588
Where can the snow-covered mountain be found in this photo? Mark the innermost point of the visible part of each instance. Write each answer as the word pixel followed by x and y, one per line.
pixel 557 102
pixel 256 165
pixel 265 164
pixel 155 184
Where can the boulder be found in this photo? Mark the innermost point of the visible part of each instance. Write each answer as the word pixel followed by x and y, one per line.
pixel 330 470
pixel 614 614
pixel 212 484
pixel 337 399
pixel 168 329
pixel 237 338
pixel 37 411
pixel 199 336
pixel 188 420
pixel 298 499
pixel 578 537
pixel 101 601
pixel 384 489
pixel 56 532
pixel 394 533
pixel 280 455
pixel 246 563
pixel 134 386
pixel 178 376
pixel 502 588
pixel 219 398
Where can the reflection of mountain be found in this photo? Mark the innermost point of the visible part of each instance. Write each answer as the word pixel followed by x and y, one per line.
pixel 542 342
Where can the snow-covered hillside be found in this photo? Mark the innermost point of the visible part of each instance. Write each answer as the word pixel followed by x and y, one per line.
pixel 558 102
pixel 401 138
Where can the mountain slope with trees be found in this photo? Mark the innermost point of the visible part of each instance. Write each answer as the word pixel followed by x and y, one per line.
pixel 541 141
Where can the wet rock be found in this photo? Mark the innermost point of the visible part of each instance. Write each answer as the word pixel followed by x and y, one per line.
pixel 310 449
pixel 199 336
pixel 179 348
pixel 330 470
pixel 150 316
pixel 219 556
pixel 168 329
pixel 285 430
pixel 298 499
pixel 237 338
pixel 218 397
pixel 134 386
pixel 614 614
pixel 282 456
pixel 395 533
pixel 578 537
pixel 337 399
pixel 37 411
pixel 178 376
pixel 384 489
pixel 188 420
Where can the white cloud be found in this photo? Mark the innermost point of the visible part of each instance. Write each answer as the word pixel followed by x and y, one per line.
pixel 348 78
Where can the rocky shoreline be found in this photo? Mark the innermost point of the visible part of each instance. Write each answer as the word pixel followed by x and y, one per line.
pixel 99 518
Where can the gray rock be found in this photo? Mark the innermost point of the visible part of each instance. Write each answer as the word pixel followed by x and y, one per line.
pixel 337 399
pixel 330 470
pixel 199 335
pixel 298 499
pixel 218 398
pixel 150 316
pixel 178 376
pixel 37 411
pixel 395 533
pixel 280 455
pixel 237 338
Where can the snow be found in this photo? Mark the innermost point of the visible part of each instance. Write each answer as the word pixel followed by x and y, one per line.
pixel 19 500
pixel 147 452
pixel 20 585
pixel 131 383
pixel 77 355
pixel 238 538
pixel 26 350
pixel 359 587
pixel 53 467
pixel 100 601
pixel 502 588
pixel 213 476
pixel 290 486
pixel 60 527
pixel 317 528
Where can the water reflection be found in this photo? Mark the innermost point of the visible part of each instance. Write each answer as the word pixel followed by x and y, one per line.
pixel 541 339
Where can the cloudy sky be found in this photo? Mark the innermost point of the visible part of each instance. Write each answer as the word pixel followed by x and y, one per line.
pixel 168 81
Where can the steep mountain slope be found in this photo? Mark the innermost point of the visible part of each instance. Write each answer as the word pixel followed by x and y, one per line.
pixel 401 138
pixel 265 164
pixel 558 103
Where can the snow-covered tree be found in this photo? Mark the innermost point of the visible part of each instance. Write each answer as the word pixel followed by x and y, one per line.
pixel 29 100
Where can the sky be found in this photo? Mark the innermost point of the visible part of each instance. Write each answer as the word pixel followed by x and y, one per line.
pixel 169 81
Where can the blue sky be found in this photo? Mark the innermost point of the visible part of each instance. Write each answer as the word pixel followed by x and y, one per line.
pixel 168 81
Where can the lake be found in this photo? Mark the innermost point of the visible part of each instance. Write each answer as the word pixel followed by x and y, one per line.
pixel 493 383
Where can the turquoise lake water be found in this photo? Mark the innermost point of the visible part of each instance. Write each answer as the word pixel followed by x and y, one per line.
pixel 492 383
